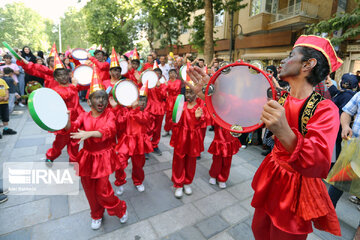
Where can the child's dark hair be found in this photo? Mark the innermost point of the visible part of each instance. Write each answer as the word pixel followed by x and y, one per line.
pixel 92 94
pixel 57 71
pixel 48 60
pixel 126 57
pixel 201 60
pixel 99 51
pixel 172 70
pixel 136 61
pixel 8 70
pixel 158 70
pixel 7 56
pixel 321 69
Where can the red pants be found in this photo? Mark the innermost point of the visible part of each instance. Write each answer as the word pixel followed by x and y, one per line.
pixel 168 121
pixel 138 176
pixel 220 168
pixel 203 133
pixel 183 169
pixel 156 131
pixel 62 140
pixel 264 229
pixel 100 195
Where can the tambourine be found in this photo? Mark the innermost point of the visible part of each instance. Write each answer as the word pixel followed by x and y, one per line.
pixel 125 93
pixel 178 108
pixel 150 76
pixel 79 54
pixel 12 51
pixel 162 79
pixel 83 73
pixel 32 86
pixel 48 109
pixel 124 66
pixel 235 97
pixel 183 73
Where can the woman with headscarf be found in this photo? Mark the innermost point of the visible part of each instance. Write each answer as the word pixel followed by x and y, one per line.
pixel 30 57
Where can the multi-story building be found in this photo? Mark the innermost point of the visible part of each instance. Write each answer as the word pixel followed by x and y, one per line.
pixel 266 30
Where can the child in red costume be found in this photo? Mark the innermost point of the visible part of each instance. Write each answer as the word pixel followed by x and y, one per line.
pixel 173 90
pixel 133 74
pixel 135 142
pixel 41 71
pixel 156 107
pixel 102 67
pixel 98 159
pixel 289 193
pixel 187 142
pixel 223 147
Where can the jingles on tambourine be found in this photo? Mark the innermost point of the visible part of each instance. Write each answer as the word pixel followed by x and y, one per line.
pixel 235 96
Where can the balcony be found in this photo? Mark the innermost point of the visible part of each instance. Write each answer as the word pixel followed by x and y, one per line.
pixel 297 14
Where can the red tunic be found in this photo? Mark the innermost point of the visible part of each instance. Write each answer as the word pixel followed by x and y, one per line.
pixel 135 140
pixel 131 75
pixel 173 90
pixel 97 158
pixel 70 95
pixel 288 186
pixel 40 71
pixel 186 137
pixel 102 68
pixel 208 120
pixel 147 66
pixel 156 100
pixel 224 144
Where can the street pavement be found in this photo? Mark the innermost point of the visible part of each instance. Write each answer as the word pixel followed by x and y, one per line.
pixel 209 213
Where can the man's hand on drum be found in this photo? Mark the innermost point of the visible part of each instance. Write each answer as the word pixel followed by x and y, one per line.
pixel 74 81
pixel 200 78
pixel 83 135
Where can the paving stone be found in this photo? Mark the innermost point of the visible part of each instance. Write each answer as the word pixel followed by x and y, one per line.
pixel 197 194
pixel 175 219
pixel 59 206
pixel 49 139
pixel 188 233
pixel 239 174
pixel 168 173
pixel 215 202
pixel 241 191
pixel 25 215
pixel 157 167
pixel 78 203
pixel 241 231
pixel 312 236
pixel 28 142
pixel 247 205
pixel 23 234
pixel 203 185
pixel 138 231
pixel 165 157
pixel 42 149
pixel 237 160
pixel 222 236
pixel 235 213
pixel 15 200
pixel 347 232
pixel 23 152
pixel 212 226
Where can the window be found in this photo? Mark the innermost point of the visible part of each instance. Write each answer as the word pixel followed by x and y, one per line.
pixel 260 6
pixel 219 19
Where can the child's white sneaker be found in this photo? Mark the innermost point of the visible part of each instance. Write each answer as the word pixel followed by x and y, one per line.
pixel 212 181
pixel 140 187
pixel 222 185
pixel 178 192
pixel 187 190
pixel 124 218
pixel 96 224
pixel 119 190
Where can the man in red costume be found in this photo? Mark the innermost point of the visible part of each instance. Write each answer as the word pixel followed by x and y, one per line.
pixel 289 193
pixel 149 64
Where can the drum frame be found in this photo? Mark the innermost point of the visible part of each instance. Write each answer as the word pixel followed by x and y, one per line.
pixel 78 58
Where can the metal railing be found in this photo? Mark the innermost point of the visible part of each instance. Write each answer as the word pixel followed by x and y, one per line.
pixel 300 9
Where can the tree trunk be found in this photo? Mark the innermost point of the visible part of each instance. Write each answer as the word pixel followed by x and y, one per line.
pixel 209 31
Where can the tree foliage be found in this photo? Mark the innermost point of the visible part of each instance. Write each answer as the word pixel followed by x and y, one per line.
pixel 346 23
pixel 20 26
pixel 111 23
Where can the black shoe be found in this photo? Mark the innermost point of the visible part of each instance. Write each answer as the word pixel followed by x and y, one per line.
pixel 265 153
pixel 211 129
pixel 146 156
pixel 4 191
pixel 198 158
pixel 157 151
pixel 3 198
pixel 9 131
pixel 0 136
pixel 166 134
pixel 49 163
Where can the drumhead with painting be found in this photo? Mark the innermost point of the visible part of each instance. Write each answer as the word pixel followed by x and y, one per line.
pixel 178 108
pixel 79 54
pixel 237 95
pixel 48 109
pixel 83 74
pixel 151 76
pixel 124 67
pixel 125 92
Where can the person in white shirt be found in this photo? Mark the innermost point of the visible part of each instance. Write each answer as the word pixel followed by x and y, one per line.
pixel 165 68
